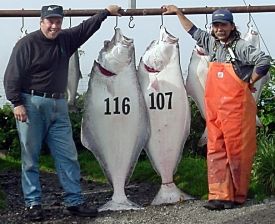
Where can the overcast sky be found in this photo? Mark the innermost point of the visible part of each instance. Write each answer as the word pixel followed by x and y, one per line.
pixel 146 27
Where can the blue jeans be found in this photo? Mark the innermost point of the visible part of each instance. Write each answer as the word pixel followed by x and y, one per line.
pixel 48 121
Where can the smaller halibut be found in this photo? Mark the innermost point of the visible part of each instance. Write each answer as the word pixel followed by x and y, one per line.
pixel 74 74
pixel 253 37
pixel 163 88
pixel 115 122
pixel 195 83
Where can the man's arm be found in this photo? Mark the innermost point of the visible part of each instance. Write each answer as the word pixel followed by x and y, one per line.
pixel 12 81
pixel 185 22
pixel 81 33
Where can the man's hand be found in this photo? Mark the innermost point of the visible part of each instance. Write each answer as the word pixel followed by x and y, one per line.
pixel 169 9
pixel 114 10
pixel 20 113
pixel 254 78
pixel 252 88
pixel 185 22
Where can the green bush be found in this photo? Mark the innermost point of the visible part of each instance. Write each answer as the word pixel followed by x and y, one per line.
pixel 266 105
pixel 76 118
pixel 196 131
pixel 263 174
pixel 8 133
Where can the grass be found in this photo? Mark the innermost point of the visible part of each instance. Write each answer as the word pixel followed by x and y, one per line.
pixel 9 163
pixel 191 176
pixel 90 167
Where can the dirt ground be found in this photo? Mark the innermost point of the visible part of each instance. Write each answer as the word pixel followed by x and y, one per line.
pixel 95 193
pixel 140 193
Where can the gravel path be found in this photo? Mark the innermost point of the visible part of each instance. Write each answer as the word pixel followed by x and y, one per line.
pixel 191 212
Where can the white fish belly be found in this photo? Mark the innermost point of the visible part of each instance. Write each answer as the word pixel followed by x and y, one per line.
pixel 195 83
pixel 169 116
pixel 114 123
pixel 74 74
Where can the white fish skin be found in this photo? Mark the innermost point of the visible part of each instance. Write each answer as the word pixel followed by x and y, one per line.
pixel 253 37
pixel 116 139
pixel 74 74
pixel 169 112
pixel 197 73
pixel 195 83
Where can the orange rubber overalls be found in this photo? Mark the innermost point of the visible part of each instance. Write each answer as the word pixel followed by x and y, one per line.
pixel 231 124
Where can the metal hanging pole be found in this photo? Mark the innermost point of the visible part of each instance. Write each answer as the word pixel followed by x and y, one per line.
pixel 141 12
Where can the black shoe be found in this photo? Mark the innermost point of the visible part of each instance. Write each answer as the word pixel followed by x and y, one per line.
pixel 81 210
pixel 219 205
pixel 35 213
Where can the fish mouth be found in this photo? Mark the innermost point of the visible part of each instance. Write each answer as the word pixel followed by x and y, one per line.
pixel 121 47
pixel 167 37
pixel 116 54
pixel 200 51
pixel 123 40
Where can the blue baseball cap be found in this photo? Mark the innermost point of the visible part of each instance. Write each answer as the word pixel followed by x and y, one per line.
pixel 222 16
pixel 52 11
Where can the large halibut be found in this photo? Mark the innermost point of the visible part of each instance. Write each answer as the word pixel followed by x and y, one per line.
pixel 115 121
pixel 163 88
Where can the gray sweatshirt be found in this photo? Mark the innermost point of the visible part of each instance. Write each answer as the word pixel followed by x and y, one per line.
pixel 247 56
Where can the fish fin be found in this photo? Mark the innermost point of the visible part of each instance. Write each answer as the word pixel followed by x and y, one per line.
pixel 169 194
pixel 121 205
pixel 203 140
pixel 258 122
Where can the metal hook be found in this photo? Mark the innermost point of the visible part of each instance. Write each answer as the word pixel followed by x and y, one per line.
pixel 23 23
pixel 161 25
pixel 206 19
pixel 70 19
pixel 131 19
pixel 116 23
pixel 249 19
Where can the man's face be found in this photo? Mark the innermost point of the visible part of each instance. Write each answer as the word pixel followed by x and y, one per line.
pixel 51 27
pixel 222 30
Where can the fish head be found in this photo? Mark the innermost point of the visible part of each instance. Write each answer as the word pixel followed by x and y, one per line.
pixel 167 37
pixel 199 50
pixel 252 37
pixel 116 53
pixel 160 52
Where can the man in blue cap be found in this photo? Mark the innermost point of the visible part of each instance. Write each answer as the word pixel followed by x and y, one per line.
pixel 234 67
pixel 35 81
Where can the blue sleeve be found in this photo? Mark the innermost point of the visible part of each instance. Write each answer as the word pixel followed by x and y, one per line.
pixel 192 30
pixel 262 70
